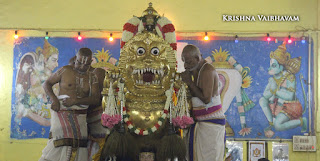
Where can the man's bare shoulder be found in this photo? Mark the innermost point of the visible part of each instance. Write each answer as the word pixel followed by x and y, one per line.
pixel 97 70
pixel 208 68
pixel 68 67
pixel 65 69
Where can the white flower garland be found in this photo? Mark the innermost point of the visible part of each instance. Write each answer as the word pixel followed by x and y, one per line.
pixel 111 107
pixel 182 106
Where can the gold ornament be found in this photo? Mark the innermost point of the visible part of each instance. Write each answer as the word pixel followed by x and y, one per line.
pixel 147 76
pixel 220 59
pixel 246 82
pixel 280 80
pixel 150 17
pixel 293 65
pixel 102 60
pixel 150 11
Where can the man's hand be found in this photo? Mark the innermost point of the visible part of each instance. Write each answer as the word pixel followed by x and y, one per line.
pixel 55 106
pixel 186 77
pixel 69 102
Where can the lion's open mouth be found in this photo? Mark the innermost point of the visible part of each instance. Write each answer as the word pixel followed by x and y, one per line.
pixel 148 76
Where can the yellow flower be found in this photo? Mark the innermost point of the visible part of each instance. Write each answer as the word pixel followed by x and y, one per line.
pixel 246 82
pixel 174 99
pixel 220 56
pixel 102 56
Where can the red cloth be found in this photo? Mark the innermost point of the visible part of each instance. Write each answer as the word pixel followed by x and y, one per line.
pixel 293 110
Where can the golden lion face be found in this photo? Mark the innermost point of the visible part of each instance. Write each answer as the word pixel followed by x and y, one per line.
pixel 147 63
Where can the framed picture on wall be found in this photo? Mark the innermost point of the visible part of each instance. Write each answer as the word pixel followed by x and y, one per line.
pixel 256 150
pixel 235 150
pixel 280 151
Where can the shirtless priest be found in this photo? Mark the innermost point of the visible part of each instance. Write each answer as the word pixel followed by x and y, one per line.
pixel 206 137
pixel 79 88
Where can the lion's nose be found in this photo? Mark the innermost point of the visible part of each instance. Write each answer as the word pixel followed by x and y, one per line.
pixel 148 61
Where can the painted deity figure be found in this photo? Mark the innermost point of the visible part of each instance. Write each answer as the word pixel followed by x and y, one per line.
pixel 34 70
pixel 279 102
pixel 78 89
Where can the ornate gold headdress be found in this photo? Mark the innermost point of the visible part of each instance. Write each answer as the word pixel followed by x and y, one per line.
pixel 280 54
pixel 150 17
pixel 152 22
pixel 150 11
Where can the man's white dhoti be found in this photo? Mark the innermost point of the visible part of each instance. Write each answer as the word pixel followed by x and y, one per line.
pixel 68 135
pixel 63 153
pixel 207 135
pixel 208 142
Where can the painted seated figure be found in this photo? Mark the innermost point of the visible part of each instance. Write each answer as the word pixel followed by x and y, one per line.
pixel 279 102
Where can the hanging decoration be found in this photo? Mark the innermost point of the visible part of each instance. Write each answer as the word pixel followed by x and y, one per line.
pixel 181 115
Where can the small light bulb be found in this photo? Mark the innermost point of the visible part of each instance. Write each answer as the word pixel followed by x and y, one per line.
pixel 303 40
pixel 79 36
pixel 47 36
pixel 206 37
pixel 16 36
pixel 268 37
pixel 110 38
pixel 289 39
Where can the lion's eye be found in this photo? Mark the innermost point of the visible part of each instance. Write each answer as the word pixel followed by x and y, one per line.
pixel 155 51
pixel 141 51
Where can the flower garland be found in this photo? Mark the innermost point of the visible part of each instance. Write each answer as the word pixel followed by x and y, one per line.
pixel 182 117
pixel 163 117
pixel 110 116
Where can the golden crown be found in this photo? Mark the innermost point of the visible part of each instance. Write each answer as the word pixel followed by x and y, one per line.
pixel 150 11
pixel 280 54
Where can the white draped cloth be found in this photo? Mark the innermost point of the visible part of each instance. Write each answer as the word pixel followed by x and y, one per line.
pixel 68 128
pixel 207 135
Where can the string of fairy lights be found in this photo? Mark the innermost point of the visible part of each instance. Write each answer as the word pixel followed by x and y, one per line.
pixel 268 38
pixel 79 36
pixel 206 37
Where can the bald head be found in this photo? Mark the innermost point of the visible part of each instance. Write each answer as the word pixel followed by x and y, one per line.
pixel 85 52
pixel 84 55
pixel 191 50
pixel 83 60
pixel 191 57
